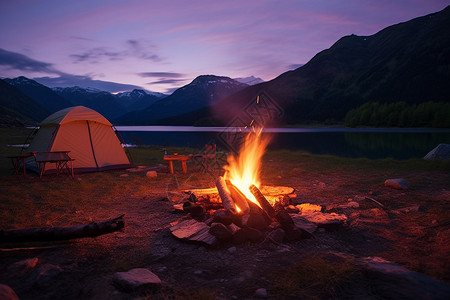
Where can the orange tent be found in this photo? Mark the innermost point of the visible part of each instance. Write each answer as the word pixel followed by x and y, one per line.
pixel 90 138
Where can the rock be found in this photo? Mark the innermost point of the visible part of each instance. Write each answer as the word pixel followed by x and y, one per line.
pixel 442 151
pixel 193 230
pixel 292 209
pixel 392 281
pixel 308 207
pixel 198 272
pixel 232 250
pixel 45 273
pixel 261 293
pixel 124 175
pixel 7 293
pixel 415 208
pixel 301 222
pixel 134 279
pixel 220 231
pixel 222 216
pixel 351 204
pixel 325 220
pixel 23 266
pixel 398 184
pixel 151 174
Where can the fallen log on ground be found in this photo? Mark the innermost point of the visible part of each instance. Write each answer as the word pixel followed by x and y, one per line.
pixel 61 233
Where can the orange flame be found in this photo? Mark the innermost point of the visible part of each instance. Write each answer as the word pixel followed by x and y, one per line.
pixel 244 170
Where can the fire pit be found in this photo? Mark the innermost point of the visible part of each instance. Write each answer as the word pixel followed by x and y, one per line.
pixel 240 210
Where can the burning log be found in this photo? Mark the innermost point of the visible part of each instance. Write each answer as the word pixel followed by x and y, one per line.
pixel 224 193
pixel 265 205
pixel 62 233
pixel 239 199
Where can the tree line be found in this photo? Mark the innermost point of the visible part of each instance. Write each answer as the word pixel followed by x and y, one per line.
pixel 400 114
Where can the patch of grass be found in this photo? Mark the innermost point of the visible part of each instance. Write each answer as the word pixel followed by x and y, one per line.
pixel 317 277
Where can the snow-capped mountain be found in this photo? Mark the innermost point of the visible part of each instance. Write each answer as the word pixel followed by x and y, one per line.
pixel 43 95
pixel 252 80
pixel 200 93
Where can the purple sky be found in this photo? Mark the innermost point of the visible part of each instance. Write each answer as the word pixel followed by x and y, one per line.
pixel 161 45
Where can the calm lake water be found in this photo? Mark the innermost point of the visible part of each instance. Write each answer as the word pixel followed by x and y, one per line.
pixel 372 143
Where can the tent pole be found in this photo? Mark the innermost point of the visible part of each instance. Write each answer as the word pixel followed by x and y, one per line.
pixel 92 145
pixel 122 141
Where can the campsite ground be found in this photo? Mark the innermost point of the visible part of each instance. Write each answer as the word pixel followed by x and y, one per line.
pixel 326 266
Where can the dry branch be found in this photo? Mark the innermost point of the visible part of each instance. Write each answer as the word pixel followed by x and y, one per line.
pixel 62 233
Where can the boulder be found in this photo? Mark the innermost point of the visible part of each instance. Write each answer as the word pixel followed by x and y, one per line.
pixel 442 151
pixel 135 279
pixel 325 220
pixel 151 174
pixel 7 293
pixel 398 184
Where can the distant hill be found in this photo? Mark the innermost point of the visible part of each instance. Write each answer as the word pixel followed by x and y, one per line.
pixel 100 101
pixel 17 109
pixel 407 62
pixel 39 93
pixel 138 99
pixel 202 92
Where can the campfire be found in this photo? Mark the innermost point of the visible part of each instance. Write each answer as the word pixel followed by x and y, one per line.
pixel 239 209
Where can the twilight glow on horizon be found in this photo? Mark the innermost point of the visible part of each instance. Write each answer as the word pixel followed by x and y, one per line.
pixel 161 45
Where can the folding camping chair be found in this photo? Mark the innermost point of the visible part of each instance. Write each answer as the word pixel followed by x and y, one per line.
pixel 207 159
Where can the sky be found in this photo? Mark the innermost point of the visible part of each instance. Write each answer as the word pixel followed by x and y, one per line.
pixel 161 45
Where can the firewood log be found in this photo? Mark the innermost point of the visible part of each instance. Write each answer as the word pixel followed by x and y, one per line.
pixel 62 233
pixel 227 200
pixel 239 198
pixel 283 217
pixel 265 205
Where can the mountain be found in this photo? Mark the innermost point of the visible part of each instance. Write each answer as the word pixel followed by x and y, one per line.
pixel 203 91
pixel 103 102
pixel 39 93
pixel 138 99
pixel 252 80
pixel 17 109
pixel 407 62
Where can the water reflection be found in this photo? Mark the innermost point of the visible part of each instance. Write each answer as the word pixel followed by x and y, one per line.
pixel 371 143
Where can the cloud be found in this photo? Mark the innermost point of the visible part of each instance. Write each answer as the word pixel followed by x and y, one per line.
pixel 168 81
pixel 161 74
pixel 133 48
pixel 17 61
pixel 95 55
pixel 84 81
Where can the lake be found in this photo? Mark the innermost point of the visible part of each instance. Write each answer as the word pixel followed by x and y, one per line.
pixel 371 143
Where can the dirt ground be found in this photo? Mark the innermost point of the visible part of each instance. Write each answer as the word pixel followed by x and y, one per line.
pixel 416 238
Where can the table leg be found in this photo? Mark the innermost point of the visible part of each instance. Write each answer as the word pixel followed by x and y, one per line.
pixel 171 167
pixel 184 166
pixel 24 168
pixel 42 169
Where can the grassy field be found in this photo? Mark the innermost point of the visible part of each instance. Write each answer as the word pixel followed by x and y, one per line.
pixel 319 179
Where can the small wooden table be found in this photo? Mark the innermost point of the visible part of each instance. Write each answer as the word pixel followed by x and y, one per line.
pixel 182 158
pixel 60 158
pixel 17 160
